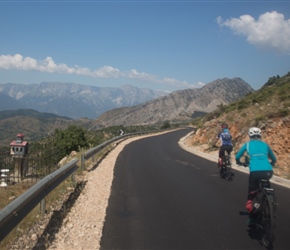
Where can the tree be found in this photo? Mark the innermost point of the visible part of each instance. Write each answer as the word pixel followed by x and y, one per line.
pixel 70 139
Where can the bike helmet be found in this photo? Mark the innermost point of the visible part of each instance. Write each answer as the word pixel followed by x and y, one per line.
pixel 254 132
pixel 224 126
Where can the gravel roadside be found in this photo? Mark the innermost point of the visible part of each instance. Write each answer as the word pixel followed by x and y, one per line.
pixel 83 225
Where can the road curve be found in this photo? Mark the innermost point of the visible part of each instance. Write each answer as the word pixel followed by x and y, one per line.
pixel 163 197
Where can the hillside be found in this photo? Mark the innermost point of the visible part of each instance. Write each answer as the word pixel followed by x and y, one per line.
pixel 33 124
pixel 179 106
pixel 267 108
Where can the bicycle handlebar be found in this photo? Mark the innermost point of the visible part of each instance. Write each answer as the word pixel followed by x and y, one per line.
pixel 242 164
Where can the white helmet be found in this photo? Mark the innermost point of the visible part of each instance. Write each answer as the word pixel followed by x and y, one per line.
pixel 254 132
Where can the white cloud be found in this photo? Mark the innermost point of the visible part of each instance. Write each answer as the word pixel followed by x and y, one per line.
pixel 177 83
pixel 107 72
pixel 271 30
pixel 17 61
pixel 48 65
pixel 134 74
pixel 200 84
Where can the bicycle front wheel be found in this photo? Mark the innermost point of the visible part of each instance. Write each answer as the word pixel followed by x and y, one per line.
pixel 267 220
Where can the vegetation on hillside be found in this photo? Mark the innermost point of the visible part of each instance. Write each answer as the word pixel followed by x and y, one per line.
pixel 271 101
pixel 29 112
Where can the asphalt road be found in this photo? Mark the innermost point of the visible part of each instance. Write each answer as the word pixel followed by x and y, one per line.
pixel 164 197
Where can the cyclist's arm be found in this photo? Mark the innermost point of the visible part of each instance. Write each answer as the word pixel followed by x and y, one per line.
pixel 217 139
pixel 272 156
pixel 240 153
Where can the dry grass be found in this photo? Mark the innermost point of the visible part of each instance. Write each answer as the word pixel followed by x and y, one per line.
pixel 9 193
pixel 35 215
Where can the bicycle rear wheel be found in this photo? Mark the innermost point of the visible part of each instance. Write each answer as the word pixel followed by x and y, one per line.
pixel 228 172
pixel 267 220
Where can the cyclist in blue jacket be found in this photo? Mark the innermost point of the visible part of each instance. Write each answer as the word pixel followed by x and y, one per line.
pixel 259 153
pixel 225 138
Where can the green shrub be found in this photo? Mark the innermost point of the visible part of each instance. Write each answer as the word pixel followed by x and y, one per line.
pixel 283 112
pixel 165 125
pixel 260 118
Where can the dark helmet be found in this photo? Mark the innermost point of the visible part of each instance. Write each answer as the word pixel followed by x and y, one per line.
pixel 224 126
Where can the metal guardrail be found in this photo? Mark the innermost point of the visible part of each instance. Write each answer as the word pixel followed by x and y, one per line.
pixel 90 153
pixel 15 212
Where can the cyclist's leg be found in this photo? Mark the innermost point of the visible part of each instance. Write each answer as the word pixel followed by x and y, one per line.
pixel 253 187
pixel 267 175
pixel 221 154
pixel 254 180
pixel 229 149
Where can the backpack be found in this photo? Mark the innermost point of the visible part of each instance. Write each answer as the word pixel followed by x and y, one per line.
pixel 226 136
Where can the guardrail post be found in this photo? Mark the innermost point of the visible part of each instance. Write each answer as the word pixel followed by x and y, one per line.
pixel 82 162
pixel 73 179
pixel 42 206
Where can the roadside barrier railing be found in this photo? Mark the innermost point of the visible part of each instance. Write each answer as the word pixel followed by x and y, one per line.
pixel 18 209
pixel 93 151
pixel 14 212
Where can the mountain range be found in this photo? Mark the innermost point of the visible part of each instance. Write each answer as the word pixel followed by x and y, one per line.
pixel 179 106
pixel 71 99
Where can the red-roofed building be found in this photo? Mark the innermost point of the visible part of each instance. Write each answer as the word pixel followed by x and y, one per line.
pixel 19 147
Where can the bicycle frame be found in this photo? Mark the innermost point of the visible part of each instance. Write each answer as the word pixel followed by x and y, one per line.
pixel 226 167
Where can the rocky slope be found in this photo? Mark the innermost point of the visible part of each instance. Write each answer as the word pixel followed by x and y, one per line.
pixel 179 106
pixel 276 132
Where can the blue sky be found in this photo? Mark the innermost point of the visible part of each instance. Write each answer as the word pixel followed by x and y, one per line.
pixel 161 45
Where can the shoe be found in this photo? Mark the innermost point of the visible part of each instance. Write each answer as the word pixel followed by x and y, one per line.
pixel 249 206
pixel 251 222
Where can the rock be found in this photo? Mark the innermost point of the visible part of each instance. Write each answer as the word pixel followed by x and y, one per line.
pixel 34 237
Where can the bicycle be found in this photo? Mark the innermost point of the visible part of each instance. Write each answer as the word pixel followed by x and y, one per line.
pixel 264 209
pixel 226 167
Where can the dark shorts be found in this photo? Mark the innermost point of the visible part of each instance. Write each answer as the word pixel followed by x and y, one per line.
pixel 255 177
pixel 223 148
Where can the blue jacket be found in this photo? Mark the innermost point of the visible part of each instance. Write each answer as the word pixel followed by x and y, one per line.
pixel 225 137
pixel 259 153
